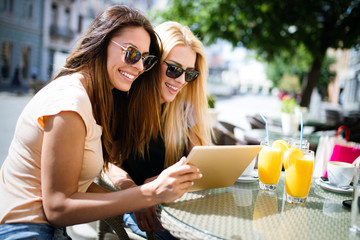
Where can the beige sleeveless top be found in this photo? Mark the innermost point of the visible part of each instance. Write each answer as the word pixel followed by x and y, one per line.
pixel 20 175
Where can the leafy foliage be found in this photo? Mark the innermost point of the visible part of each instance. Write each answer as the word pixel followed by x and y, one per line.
pixel 298 65
pixel 288 104
pixel 271 26
pixel 283 63
pixel 211 100
pixel 290 83
pixel 326 76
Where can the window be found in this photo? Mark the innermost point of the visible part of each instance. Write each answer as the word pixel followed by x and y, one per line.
pixel 25 62
pixel 6 50
pixel 80 22
pixel 53 15
pixel 51 63
pixel 8 6
pixel 67 18
pixel 28 9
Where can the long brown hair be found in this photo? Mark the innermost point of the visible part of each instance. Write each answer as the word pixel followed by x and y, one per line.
pixel 90 57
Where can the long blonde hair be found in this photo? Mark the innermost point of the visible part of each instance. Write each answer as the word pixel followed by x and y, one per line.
pixel 189 110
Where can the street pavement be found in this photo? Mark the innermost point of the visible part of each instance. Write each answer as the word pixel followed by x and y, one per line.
pixel 11 106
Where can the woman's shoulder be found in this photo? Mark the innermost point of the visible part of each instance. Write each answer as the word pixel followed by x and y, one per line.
pixel 67 82
pixel 65 93
pixel 65 88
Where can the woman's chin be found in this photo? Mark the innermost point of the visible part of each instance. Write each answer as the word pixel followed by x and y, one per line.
pixel 170 98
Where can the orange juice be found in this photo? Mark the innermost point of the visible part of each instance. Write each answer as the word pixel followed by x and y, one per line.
pixel 282 144
pixel 298 174
pixel 269 165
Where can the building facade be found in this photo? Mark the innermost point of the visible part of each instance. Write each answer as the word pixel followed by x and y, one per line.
pixel 37 35
pixel 21 26
pixel 64 22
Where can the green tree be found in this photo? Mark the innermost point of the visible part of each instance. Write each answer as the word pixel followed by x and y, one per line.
pixel 290 83
pixel 273 26
pixel 325 76
pixel 299 65
pixel 284 63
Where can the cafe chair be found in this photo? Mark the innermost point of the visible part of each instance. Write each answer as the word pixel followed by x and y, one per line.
pixel 114 224
pixel 224 134
pixel 256 121
pixel 230 127
pixel 333 117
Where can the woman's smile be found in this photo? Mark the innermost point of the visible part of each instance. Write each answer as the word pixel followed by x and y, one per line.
pixel 182 56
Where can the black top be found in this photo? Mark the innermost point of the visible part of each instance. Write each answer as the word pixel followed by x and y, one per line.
pixel 151 165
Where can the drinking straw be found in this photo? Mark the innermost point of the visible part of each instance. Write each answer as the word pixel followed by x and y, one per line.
pixel 301 130
pixel 267 129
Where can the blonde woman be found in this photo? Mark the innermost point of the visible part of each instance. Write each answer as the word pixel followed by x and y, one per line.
pixel 184 118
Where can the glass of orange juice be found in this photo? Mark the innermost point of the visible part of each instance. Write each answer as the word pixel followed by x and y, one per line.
pixel 298 166
pixel 269 167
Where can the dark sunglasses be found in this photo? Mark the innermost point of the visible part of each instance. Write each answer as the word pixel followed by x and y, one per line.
pixel 174 71
pixel 133 55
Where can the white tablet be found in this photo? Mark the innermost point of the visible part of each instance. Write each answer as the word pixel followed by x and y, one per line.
pixel 221 165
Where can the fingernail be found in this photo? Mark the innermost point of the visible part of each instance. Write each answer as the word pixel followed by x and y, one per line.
pixel 183 159
pixel 200 175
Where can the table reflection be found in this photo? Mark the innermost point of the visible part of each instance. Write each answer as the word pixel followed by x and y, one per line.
pixel 266 205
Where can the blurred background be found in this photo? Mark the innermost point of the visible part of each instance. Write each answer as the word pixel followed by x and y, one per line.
pixel 267 57
pixel 264 57
pixel 308 52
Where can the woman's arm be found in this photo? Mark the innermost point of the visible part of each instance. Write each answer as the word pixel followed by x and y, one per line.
pixel 61 163
pixel 120 178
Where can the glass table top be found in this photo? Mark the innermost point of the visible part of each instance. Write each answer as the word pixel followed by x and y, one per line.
pixel 243 211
